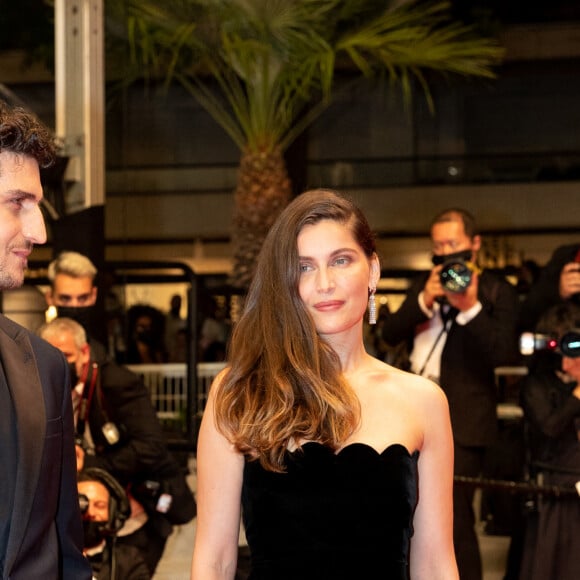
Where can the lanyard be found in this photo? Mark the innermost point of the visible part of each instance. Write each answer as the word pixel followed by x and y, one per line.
pixel 86 399
pixel 447 317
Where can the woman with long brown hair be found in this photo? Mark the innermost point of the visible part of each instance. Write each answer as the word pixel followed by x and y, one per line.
pixel 340 464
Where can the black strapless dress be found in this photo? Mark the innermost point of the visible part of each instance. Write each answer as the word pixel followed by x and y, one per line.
pixel 332 516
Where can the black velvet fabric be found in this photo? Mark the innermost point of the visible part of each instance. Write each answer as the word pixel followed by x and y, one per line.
pixel 332 516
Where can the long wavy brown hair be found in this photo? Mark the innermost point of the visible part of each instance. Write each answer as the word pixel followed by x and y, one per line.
pixel 284 384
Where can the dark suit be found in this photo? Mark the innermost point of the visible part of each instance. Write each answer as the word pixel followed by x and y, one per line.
pixel 125 401
pixel 546 290
pixel 141 453
pixel 129 564
pixel 45 539
pixel 470 354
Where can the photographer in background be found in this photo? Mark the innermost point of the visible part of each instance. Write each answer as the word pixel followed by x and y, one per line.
pixel 117 430
pixel 559 281
pixel 105 508
pixel 73 293
pixel 461 324
pixel 550 397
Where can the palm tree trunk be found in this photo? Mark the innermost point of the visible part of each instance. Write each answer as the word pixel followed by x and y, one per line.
pixel 263 191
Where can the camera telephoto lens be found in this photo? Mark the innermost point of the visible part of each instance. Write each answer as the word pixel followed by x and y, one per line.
pixel 570 344
pixel 455 276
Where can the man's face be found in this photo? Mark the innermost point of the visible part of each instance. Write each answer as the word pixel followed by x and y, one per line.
pixel 450 237
pixel 65 342
pixel 21 221
pixel 571 366
pixel 98 496
pixel 143 324
pixel 73 292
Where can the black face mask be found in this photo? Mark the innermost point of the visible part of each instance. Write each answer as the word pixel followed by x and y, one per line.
pixel 86 316
pixel 146 337
pixel 93 533
pixel 464 255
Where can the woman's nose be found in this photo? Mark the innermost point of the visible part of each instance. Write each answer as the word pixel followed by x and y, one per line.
pixel 325 281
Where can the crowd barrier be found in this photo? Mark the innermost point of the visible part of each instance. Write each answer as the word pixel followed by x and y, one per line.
pixel 167 384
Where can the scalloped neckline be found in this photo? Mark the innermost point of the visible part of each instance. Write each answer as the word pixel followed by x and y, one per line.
pixel 359 444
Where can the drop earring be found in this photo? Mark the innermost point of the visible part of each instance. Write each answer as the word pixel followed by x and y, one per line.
pixel 372 308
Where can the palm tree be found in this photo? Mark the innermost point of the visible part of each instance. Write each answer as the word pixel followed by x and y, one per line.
pixel 264 70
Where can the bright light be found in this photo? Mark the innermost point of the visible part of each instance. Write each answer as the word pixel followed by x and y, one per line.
pixel 527 342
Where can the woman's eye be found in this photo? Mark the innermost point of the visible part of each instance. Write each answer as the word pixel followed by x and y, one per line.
pixel 342 261
pixel 304 267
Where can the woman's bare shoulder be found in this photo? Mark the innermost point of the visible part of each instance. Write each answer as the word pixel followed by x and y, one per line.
pixel 398 406
pixel 216 385
pixel 415 387
pixel 219 378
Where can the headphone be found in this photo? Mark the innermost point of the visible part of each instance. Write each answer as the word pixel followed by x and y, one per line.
pixel 119 506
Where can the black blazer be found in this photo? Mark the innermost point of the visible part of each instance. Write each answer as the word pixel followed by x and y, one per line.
pixel 470 355
pixel 124 400
pixel 141 453
pixel 45 538
pixel 546 290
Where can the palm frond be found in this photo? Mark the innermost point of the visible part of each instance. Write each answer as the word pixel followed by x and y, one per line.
pixel 273 59
pixel 419 38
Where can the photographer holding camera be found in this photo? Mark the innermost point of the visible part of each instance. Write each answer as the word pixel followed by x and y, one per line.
pixel 104 508
pixel 117 430
pixel 550 397
pixel 461 324
pixel 559 282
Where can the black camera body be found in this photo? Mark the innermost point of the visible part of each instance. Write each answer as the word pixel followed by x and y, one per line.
pixel 456 275
pixel 568 345
pixel 152 495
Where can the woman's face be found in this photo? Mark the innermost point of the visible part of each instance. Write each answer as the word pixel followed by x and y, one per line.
pixel 335 276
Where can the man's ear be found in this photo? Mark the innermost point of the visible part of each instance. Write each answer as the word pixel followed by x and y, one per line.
pixel 85 353
pixel 48 297
pixel 476 243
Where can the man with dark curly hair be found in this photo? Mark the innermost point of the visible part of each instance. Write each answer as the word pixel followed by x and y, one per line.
pixel 40 523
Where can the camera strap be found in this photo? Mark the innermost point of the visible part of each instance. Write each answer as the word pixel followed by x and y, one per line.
pixel 108 429
pixel 447 317
pixel 86 399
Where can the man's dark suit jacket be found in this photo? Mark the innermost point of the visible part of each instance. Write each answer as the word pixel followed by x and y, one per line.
pixel 129 564
pixel 45 538
pixel 141 453
pixel 124 400
pixel 470 354
pixel 545 293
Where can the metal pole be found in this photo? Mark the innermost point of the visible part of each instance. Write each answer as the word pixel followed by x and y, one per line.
pixel 79 85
